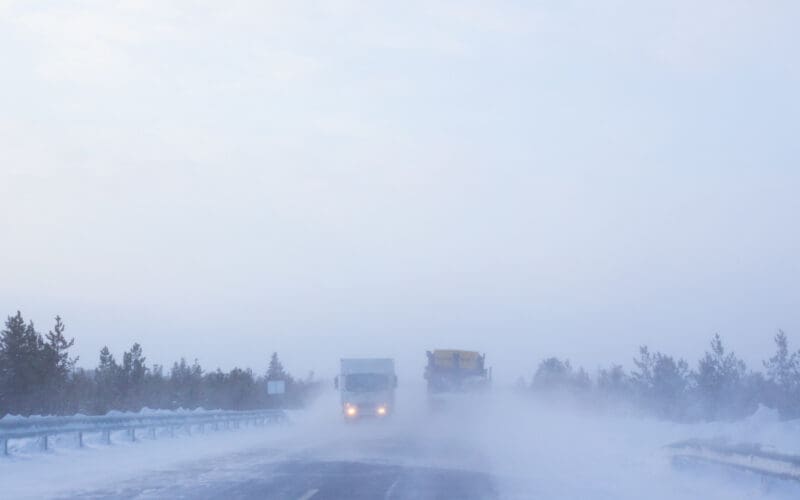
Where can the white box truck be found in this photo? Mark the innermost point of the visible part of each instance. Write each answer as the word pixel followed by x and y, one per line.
pixel 366 387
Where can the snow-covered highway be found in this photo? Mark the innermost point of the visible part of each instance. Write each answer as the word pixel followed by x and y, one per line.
pixel 503 448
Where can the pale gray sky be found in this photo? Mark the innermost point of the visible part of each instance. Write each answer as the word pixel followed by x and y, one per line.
pixel 223 179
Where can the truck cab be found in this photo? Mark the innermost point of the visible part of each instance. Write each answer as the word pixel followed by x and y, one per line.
pixel 452 374
pixel 366 387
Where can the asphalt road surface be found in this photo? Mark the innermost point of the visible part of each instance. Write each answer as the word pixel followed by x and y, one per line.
pixel 351 462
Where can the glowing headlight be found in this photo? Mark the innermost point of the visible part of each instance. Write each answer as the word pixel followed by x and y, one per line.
pixel 350 411
pixel 381 410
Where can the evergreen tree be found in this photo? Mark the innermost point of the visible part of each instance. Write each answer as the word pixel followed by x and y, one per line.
pixel 107 380
pixel 783 377
pixel 275 370
pixel 783 367
pixel 214 394
pixel 59 347
pixel 37 375
pixel 133 364
pixel 80 394
pixel 718 379
pixel 22 366
pixel 661 382
pixel 552 373
pixel 614 382
pixel 156 390
pixel 186 383
pixel 555 374
pixel 242 389
pixel 56 367
pixel 132 377
pixel 643 375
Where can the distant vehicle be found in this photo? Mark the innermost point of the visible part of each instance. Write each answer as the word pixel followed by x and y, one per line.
pixel 366 387
pixel 452 371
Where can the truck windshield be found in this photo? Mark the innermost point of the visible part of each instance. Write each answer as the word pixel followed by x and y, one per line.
pixel 366 382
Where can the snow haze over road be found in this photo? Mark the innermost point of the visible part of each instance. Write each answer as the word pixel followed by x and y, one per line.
pixel 502 448
pixel 210 204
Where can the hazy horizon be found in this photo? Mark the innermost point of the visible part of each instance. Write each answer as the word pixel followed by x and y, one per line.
pixel 349 179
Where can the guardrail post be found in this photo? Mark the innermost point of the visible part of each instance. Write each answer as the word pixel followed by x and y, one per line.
pixel 152 432
pixel 44 442
pixel 80 439
pixel 107 436
pixel 5 447
pixel 133 434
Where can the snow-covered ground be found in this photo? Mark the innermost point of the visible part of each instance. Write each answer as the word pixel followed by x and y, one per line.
pixel 30 472
pixel 532 451
pixel 550 453
pixel 540 451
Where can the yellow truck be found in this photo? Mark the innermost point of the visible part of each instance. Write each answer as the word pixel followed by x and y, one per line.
pixel 456 371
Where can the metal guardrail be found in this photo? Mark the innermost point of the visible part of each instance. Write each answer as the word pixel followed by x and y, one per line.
pixel 45 427
pixel 750 457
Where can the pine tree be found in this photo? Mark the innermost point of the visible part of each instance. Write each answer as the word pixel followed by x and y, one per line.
pixel 132 377
pixel 133 364
pixel 22 366
pixel 241 388
pixel 670 381
pixel 106 378
pixel 642 376
pixel 156 392
pixel 59 345
pixel 661 382
pixel 554 374
pixel 107 361
pixel 783 377
pixel 783 367
pixel 275 370
pixel 81 393
pixel 718 379
pixel 186 383
pixel 551 374
pixel 38 375
pixel 614 382
pixel 56 368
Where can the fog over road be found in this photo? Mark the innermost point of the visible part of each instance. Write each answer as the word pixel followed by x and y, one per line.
pixel 500 445
pixel 411 455
pixel 354 465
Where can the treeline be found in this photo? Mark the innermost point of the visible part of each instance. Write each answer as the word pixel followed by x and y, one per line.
pixel 38 376
pixel 719 387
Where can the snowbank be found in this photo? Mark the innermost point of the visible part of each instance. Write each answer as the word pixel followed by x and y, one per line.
pixel 70 470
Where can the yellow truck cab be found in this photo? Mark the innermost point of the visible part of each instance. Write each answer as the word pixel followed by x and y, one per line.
pixel 453 372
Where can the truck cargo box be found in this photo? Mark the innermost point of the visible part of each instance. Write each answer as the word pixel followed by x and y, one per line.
pixel 456 359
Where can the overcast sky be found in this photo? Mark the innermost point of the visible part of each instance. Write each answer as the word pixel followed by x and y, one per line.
pixel 223 179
